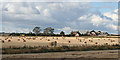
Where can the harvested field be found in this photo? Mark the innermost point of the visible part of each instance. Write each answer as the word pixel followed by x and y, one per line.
pixel 13 41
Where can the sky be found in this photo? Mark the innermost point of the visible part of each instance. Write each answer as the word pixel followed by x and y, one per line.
pixel 62 16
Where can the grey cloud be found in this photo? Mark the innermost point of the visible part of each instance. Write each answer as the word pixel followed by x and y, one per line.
pixel 56 15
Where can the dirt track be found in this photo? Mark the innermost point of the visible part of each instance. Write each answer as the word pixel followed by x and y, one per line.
pixel 101 54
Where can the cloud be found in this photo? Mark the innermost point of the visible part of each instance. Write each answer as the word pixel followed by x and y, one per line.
pixel 96 20
pixel 82 17
pixel 114 27
pixel 46 12
pixel 66 29
pixel 61 16
pixel 116 11
pixel 105 21
pixel 20 30
pixel 59 0
pixel 19 8
pixel 112 15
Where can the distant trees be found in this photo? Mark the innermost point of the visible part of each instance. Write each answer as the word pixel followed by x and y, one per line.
pixel 30 33
pixel 62 33
pixel 48 30
pixel 106 33
pixel 73 33
pixel 36 30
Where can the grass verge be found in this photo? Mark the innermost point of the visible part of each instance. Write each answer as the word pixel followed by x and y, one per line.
pixel 25 49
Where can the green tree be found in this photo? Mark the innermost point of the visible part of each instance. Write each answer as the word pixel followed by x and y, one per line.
pixel 36 30
pixel 107 33
pixel 62 33
pixel 48 30
pixel 72 33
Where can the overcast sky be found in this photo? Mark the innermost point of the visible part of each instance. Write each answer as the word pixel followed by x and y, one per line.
pixel 62 16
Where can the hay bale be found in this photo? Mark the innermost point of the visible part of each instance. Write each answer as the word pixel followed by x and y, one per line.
pixel 91 41
pixel 9 40
pixel 106 43
pixel 57 38
pixel 6 38
pixel 48 39
pixel 69 41
pixel 96 43
pixel 41 39
pixel 18 39
pixel 53 37
pixel 3 41
pixel 34 38
pixel 113 40
pixel 24 40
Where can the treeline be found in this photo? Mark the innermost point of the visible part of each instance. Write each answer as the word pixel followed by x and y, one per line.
pixel 42 34
pixel 49 31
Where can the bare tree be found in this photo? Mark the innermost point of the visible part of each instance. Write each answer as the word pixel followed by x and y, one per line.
pixel 48 30
pixel 36 30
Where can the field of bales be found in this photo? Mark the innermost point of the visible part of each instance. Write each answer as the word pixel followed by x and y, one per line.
pixel 65 47
pixel 36 41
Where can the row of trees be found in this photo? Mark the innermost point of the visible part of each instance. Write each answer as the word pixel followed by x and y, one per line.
pixel 50 31
pixel 47 31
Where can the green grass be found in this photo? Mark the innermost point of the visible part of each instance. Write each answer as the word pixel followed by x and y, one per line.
pixel 21 50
